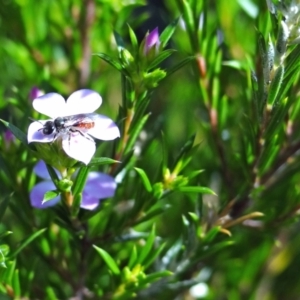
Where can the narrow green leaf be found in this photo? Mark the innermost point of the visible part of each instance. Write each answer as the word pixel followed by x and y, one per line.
pixel 119 41
pixel 76 204
pixel 155 276
pixel 195 189
pixel 145 179
pixel 133 39
pixel 50 195
pixel 5 233
pixel 168 32
pixel 147 248
pixel 160 58
pixel 16 284
pixel 19 134
pixel 276 119
pixel 186 148
pixel 114 63
pixel 99 161
pixel 150 259
pixel 3 205
pixel 6 273
pixel 134 133
pixel 108 260
pixel 275 85
pixel 52 173
pixel 133 258
pixel 188 16
pixel 4 250
pixel 180 65
pixel 27 241
pixel 80 180
pixel 209 237
pixel 152 214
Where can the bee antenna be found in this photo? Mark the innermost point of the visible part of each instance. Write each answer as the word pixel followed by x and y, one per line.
pixel 35 120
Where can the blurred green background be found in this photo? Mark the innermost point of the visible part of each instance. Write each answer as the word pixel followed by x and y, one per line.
pixel 50 44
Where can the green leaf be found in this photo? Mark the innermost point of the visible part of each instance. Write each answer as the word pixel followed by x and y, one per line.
pixel 119 41
pixel 108 260
pixel 186 148
pixel 188 16
pixel 195 189
pixel 155 276
pixel 3 205
pixel 160 58
pixel 16 284
pixel 154 254
pixel 114 63
pixel 26 242
pixel 50 195
pixel 145 179
pixel 180 65
pixel 212 233
pixel 133 39
pixel 168 32
pixel 4 250
pixel 153 213
pixel 19 134
pixel 276 119
pixel 76 204
pixel 134 133
pixel 147 248
pixel 52 173
pixel 99 161
pixel 80 180
pixel 5 233
pixel 133 257
pixel 6 273
pixel 275 85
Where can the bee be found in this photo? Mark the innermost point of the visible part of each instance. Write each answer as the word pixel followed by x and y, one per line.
pixel 61 126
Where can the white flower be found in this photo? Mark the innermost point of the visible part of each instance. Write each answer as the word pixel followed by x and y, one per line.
pixel 72 121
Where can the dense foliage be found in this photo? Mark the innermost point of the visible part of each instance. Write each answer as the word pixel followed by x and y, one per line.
pixel 205 175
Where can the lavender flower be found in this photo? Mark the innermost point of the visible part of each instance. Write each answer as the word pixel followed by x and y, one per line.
pixel 98 186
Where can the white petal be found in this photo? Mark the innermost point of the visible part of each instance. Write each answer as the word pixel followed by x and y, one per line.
pixel 79 147
pixel 104 129
pixel 52 105
pixel 83 102
pixel 36 135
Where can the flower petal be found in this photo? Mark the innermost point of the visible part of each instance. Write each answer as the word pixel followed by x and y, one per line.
pixel 52 105
pixel 151 39
pixel 89 202
pixel 104 129
pixel 35 134
pixel 38 192
pixel 79 147
pixel 40 170
pixel 100 185
pixel 83 102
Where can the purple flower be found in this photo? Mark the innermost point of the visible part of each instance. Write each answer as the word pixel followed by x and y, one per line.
pixel 98 186
pixel 8 136
pixel 73 122
pixel 35 92
pixel 151 40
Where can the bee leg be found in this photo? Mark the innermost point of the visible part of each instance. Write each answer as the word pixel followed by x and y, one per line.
pixel 82 133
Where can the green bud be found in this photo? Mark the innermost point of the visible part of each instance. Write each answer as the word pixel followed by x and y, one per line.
pixel 152 79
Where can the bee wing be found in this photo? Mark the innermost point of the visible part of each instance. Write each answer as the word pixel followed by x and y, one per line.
pixel 104 128
pixel 82 102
